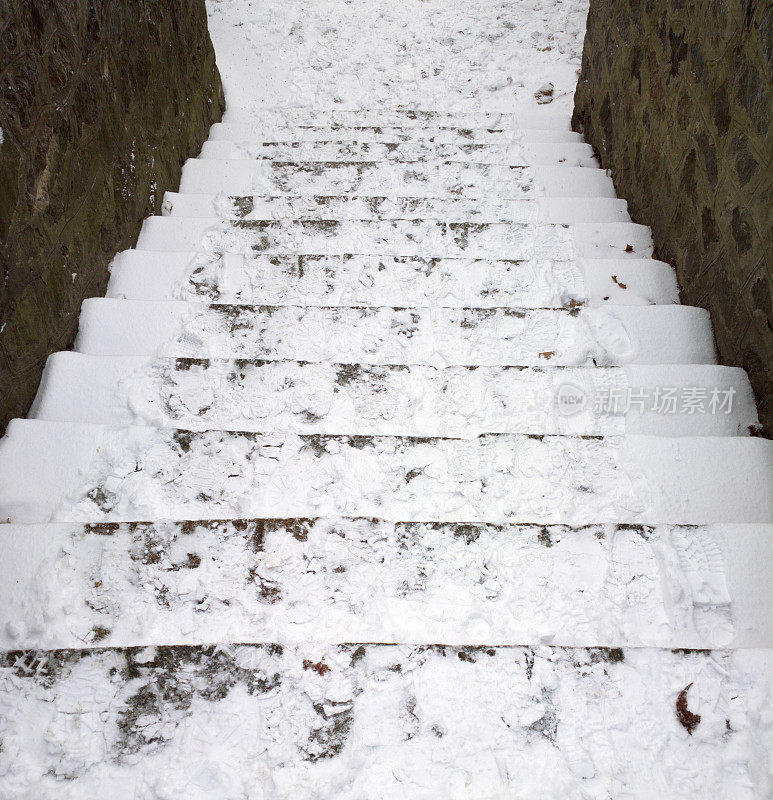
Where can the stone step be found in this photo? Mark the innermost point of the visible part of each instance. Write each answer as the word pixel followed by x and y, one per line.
pixel 299 397
pixel 428 239
pixel 413 179
pixel 552 210
pixel 327 581
pixel 423 238
pixel 245 132
pixel 141 473
pixel 524 118
pixel 313 721
pixel 550 154
pixel 432 336
pixel 393 280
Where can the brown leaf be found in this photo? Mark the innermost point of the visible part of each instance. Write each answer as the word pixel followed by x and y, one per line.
pixel 319 667
pixel 683 714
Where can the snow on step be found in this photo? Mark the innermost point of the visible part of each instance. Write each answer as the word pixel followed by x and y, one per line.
pixel 379 178
pixel 334 580
pixel 433 336
pixel 246 133
pixel 320 721
pixel 523 119
pixel 399 281
pixel 427 238
pixel 142 473
pixel 570 154
pixel 555 210
pixel 296 397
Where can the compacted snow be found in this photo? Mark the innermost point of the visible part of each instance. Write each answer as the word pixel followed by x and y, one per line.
pixel 390 466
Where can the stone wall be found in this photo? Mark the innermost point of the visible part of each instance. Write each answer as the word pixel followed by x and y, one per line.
pixel 676 98
pixel 101 101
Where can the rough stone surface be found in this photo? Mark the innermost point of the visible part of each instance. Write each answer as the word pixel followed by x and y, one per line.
pixel 677 99
pixel 100 104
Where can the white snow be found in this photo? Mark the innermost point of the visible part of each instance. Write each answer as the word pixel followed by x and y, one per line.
pixel 331 501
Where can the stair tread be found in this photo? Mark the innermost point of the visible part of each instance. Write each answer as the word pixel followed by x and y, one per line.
pixel 331 580
pixel 570 154
pixel 522 118
pixel 411 179
pixel 546 210
pixel 402 716
pixel 401 281
pixel 423 238
pixel 382 335
pixel 246 132
pixel 141 473
pixel 297 397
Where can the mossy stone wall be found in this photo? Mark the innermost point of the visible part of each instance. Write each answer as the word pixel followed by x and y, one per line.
pixel 101 102
pixel 676 96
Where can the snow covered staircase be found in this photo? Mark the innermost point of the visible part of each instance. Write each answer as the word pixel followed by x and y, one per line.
pixel 389 464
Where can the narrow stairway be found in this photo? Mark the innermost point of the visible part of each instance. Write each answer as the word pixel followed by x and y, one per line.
pixel 390 465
